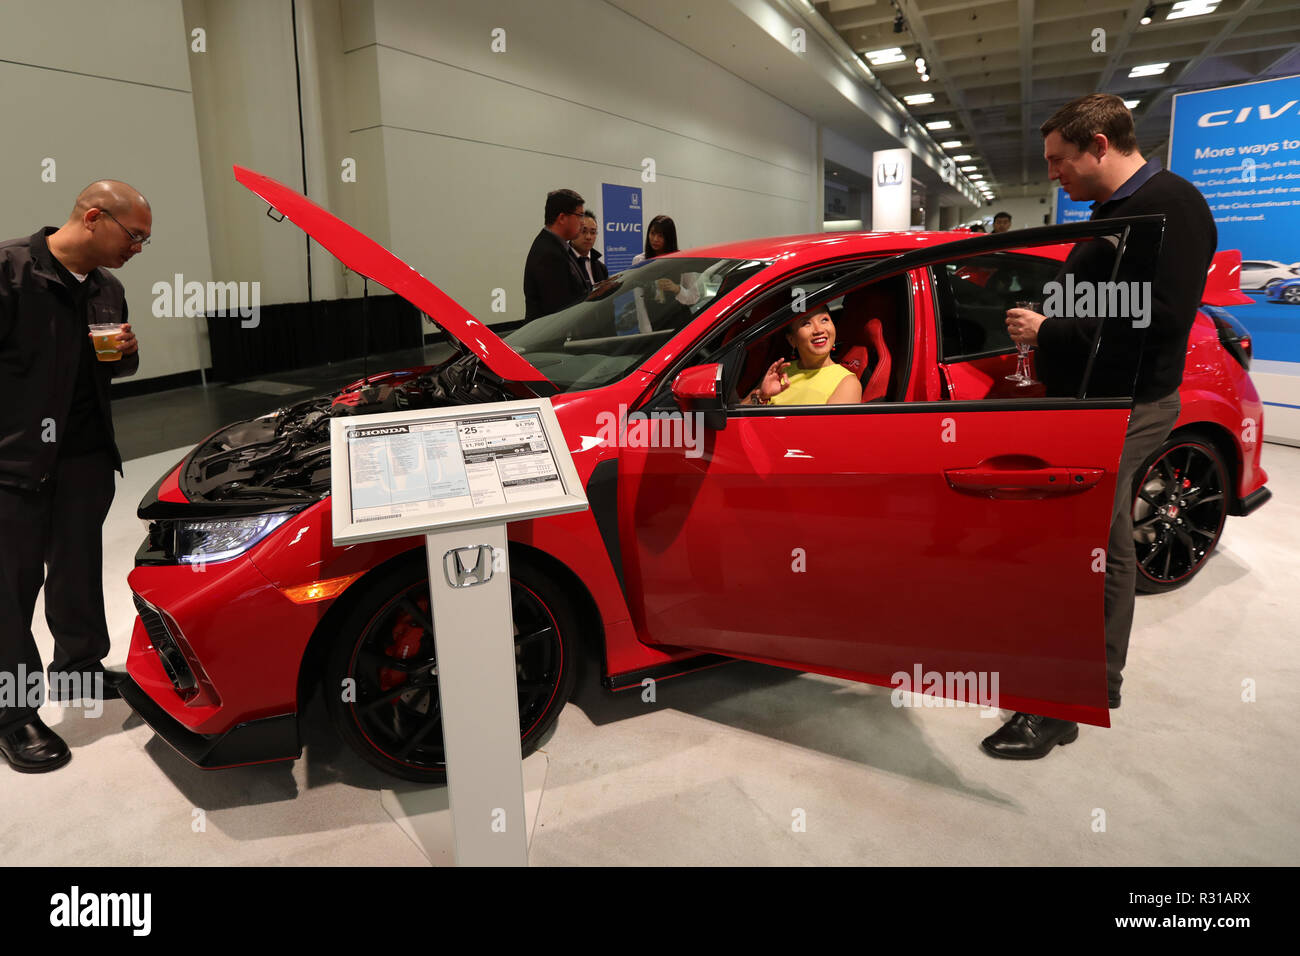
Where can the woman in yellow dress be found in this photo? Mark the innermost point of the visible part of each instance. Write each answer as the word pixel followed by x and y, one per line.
pixel 813 378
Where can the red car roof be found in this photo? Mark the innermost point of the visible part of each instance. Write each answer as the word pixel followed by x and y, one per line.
pixel 820 245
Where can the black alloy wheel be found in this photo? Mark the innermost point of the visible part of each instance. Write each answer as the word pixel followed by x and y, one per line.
pixel 1179 506
pixel 381 677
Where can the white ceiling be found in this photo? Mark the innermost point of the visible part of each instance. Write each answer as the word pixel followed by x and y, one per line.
pixel 999 68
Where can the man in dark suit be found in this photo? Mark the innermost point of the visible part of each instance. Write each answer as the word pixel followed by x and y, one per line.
pixel 589 264
pixel 551 276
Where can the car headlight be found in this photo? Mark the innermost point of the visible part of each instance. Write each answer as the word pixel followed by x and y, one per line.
pixel 217 540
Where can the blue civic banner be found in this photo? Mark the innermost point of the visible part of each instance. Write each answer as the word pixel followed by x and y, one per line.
pixel 622 227
pixel 1071 210
pixel 1240 146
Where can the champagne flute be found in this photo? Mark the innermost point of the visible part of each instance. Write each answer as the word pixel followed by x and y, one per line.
pixel 1021 375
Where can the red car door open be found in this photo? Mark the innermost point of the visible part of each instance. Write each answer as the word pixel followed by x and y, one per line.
pixel 964 539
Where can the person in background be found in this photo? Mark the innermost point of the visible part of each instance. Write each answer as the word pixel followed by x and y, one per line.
pixel 1002 222
pixel 589 264
pixel 552 279
pixel 58 452
pixel 660 239
pixel 977 227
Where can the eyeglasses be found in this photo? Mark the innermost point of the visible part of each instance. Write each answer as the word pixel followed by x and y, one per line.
pixel 142 241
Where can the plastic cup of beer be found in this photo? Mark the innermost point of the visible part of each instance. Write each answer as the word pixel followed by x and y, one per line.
pixel 104 336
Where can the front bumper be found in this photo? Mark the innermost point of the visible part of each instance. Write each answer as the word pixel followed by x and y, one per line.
pixel 217 650
pixel 256 741
pixel 1252 501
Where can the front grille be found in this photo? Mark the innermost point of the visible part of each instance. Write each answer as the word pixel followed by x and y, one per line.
pixel 169 654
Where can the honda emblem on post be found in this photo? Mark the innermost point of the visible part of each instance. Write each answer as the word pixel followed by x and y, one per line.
pixel 466 567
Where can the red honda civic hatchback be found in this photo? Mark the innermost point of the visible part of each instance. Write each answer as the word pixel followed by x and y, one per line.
pixel 858 541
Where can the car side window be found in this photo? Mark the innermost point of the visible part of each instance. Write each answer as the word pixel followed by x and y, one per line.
pixel 872 325
pixel 974 294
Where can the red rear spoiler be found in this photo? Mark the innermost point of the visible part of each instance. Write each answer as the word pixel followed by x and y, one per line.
pixel 1223 282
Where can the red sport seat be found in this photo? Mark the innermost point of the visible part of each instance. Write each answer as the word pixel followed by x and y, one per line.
pixel 867 328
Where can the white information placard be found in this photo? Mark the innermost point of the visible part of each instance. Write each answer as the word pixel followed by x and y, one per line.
pixel 413 472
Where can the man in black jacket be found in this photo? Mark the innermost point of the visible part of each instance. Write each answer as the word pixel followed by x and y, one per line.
pixel 1091 147
pixel 589 264
pixel 58 453
pixel 551 276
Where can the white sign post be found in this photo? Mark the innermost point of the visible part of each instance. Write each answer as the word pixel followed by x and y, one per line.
pixel 458 475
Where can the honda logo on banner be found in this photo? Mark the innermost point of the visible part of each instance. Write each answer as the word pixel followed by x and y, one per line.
pixel 466 567
pixel 891 191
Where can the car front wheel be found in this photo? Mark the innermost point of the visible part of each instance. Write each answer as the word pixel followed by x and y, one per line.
pixel 1291 295
pixel 1179 506
pixel 381 676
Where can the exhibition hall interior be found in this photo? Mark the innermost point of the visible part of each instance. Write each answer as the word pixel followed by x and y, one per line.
pixel 650 432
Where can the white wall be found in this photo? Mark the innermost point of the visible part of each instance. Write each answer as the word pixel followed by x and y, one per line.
pixel 455 146
pixel 473 140
pixel 103 89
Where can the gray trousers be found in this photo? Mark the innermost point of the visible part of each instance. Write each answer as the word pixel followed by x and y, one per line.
pixel 1148 427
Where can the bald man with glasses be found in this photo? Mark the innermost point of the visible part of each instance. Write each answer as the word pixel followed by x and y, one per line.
pixel 58 453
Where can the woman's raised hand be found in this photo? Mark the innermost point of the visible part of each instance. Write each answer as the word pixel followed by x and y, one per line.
pixel 775 381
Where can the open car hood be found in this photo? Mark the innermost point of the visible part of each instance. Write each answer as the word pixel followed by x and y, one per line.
pixel 1223 283
pixel 368 258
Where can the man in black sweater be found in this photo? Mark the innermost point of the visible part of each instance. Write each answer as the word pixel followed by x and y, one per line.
pixel 551 276
pixel 1091 147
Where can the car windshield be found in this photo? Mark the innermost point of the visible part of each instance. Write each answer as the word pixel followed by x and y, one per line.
pixel 626 319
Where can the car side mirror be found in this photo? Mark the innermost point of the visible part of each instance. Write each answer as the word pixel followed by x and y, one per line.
pixel 698 389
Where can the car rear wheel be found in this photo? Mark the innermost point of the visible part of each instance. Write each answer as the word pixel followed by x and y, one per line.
pixel 381 676
pixel 1179 506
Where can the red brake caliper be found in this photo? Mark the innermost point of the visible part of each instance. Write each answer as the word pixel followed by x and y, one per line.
pixel 406 641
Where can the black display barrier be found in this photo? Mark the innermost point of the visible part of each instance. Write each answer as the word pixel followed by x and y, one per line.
pixel 300 334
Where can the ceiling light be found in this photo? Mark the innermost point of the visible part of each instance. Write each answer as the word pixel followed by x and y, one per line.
pixel 975 176
pixel 939 124
pixel 951 143
pixel 919 62
pixel 925 77
pixel 891 54
pixel 1132 104
pixel 969 169
pixel 1148 14
pixel 1148 69
pixel 918 99
pixel 963 158
pixel 1191 8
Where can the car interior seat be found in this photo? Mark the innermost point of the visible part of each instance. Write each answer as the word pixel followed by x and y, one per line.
pixel 868 333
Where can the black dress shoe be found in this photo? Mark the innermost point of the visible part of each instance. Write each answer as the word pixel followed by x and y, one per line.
pixel 1030 736
pixel 86 688
pixel 1112 699
pixel 34 748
